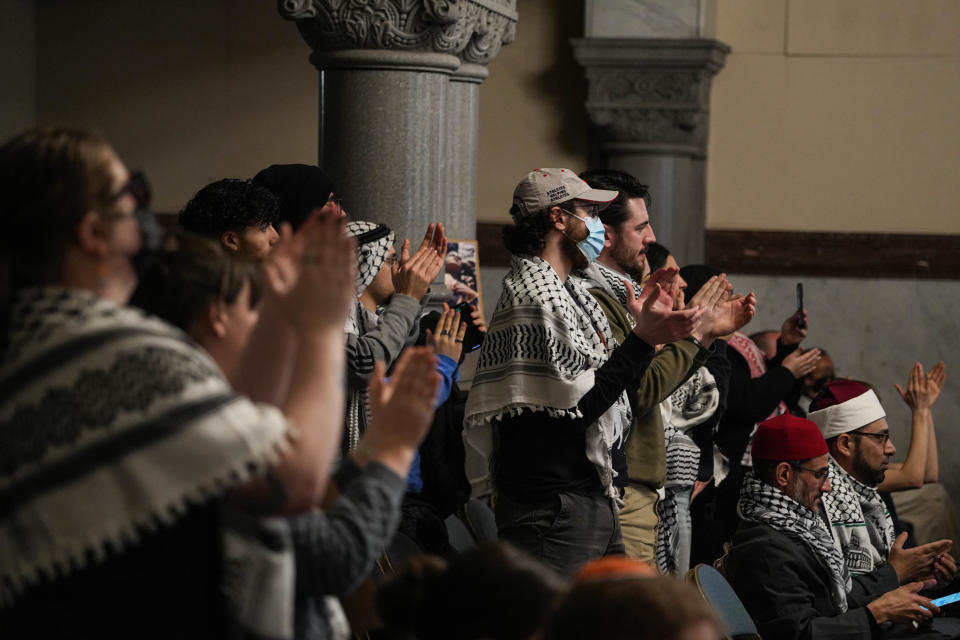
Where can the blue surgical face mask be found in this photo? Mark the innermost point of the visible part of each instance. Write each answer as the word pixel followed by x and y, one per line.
pixel 592 245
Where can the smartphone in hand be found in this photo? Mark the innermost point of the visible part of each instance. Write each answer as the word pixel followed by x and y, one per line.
pixel 800 323
pixel 473 337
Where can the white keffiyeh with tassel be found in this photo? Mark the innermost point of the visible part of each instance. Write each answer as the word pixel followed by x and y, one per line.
pixel 544 342
pixel 112 424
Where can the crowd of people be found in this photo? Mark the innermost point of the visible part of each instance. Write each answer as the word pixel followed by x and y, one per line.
pixel 219 430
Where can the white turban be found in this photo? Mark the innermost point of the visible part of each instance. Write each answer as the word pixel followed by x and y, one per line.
pixel 849 415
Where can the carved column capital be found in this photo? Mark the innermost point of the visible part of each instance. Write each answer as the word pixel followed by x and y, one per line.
pixel 650 95
pixel 423 32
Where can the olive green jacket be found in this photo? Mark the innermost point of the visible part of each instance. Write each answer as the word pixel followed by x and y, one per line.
pixel 671 366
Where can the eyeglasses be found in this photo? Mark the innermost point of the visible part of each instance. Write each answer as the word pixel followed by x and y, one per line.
pixel 819 474
pixel 127 188
pixel 592 211
pixel 881 437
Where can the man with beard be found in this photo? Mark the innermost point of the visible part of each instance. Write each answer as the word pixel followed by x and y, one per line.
pixel 783 563
pixel 549 392
pixel 628 236
pixel 854 424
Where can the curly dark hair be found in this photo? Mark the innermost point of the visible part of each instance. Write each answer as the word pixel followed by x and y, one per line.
pixel 528 234
pixel 613 180
pixel 230 205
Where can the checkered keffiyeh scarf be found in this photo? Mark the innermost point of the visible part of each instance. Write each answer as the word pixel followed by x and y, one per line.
pixel 92 393
pixel 859 519
pixel 759 502
pixel 597 275
pixel 370 258
pixel 691 404
pixel 544 342
pixel 370 255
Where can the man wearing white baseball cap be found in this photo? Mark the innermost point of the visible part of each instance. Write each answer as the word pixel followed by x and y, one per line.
pixel 548 399
pixel 854 425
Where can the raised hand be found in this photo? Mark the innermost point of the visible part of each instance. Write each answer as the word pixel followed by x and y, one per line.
pixel 447 335
pixel 657 323
pixel 401 410
pixel 923 390
pixel 800 363
pixel 311 274
pixel 413 274
pixel 477 319
pixel 709 298
pixel 735 313
pixel 904 605
pixel 669 280
pixel 793 331
pixel 918 563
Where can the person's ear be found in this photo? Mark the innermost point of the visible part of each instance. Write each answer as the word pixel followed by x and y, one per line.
pixel 93 234
pixel 609 236
pixel 783 474
pixel 231 240
pixel 217 320
pixel 558 218
pixel 844 444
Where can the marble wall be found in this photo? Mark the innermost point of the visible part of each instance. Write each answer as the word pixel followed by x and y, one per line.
pixel 874 330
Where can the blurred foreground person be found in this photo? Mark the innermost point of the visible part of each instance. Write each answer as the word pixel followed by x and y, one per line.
pixel 119 439
pixel 494 591
pixel 624 599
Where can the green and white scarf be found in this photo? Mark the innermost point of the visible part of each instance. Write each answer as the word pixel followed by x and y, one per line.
pixel 859 519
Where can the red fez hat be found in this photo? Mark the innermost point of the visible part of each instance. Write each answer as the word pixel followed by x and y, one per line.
pixel 788 437
pixel 837 392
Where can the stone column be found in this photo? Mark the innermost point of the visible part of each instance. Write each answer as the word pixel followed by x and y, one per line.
pixel 398 103
pixel 649 102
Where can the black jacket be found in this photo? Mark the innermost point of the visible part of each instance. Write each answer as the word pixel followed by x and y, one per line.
pixel 785 587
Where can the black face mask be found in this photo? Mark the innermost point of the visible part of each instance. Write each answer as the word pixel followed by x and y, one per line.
pixel 144 259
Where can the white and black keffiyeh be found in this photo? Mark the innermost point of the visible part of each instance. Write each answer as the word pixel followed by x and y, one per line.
pixel 544 342
pixel 859 519
pixel 691 404
pixel 112 423
pixel 597 275
pixel 759 502
pixel 373 244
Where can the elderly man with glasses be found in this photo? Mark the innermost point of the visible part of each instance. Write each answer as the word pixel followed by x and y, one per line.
pixel 854 425
pixel 784 564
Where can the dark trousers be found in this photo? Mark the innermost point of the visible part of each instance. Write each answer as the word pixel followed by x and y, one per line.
pixel 565 532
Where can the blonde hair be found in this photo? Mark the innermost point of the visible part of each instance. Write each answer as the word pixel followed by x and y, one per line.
pixel 49 179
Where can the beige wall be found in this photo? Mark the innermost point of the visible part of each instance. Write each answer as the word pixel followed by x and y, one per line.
pixel 189 91
pixel 854 102
pixel 837 115
pixel 532 106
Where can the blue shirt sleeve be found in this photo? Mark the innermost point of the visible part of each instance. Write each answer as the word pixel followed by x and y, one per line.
pixel 447 368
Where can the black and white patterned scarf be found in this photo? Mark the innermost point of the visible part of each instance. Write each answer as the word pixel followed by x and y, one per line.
pixel 693 402
pixel 545 340
pixel 597 275
pixel 759 502
pixel 91 393
pixel 371 255
pixel 859 519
